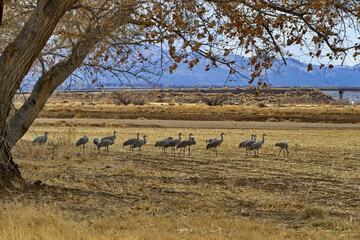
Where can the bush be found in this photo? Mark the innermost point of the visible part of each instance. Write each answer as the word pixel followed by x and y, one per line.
pixel 215 100
pixel 121 97
pixel 313 213
pixel 127 97
pixel 138 100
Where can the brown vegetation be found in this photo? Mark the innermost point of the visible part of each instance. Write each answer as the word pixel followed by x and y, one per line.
pixel 298 105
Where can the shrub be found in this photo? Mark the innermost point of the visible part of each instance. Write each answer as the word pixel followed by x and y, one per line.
pixel 313 213
pixel 127 97
pixel 138 100
pixel 215 100
pixel 121 97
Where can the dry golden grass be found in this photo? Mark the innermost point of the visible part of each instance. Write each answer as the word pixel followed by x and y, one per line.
pixel 148 195
pixel 29 220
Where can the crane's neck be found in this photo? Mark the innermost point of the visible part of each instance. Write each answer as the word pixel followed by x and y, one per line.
pixel 190 136
pixel 179 137
pixel 144 139
pixel 263 140
pixel 222 138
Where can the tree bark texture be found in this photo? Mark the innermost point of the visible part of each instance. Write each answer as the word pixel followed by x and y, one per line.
pixel 17 124
pixel 15 63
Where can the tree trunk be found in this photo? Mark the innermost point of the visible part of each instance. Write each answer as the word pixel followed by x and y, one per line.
pixel 15 63
pixel 17 125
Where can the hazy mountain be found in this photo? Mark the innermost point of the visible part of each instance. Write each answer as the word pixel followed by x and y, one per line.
pixel 293 74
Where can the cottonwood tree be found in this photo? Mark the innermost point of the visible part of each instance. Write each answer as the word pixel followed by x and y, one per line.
pixel 53 40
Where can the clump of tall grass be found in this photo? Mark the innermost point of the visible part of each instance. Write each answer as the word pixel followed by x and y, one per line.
pixel 313 213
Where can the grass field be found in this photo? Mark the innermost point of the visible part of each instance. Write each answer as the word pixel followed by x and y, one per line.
pixel 312 194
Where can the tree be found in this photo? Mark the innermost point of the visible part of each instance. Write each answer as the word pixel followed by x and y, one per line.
pixel 53 40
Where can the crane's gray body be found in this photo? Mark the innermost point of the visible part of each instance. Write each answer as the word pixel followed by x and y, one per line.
pixel 164 143
pixel 106 143
pixel 130 142
pixel 215 143
pixel 174 143
pixel 96 142
pixel 244 143
pixel 283 147
pixel 210 140
pixel 139 143
pixel 110 137
pixel 185 143
pixel 247 143
pixel 257 145
pixel 192 142
pixel 82 141
pixel 41 139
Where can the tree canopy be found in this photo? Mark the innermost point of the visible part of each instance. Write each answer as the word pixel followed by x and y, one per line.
pixel 53 40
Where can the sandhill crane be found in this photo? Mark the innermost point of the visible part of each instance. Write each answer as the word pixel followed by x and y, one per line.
pixel 110 137
pixel 174 143
pixel 130 142
pixel 208 141
pixel 247 143
pixel 41 139
pixel 139 143
pixel 243 143
pixel 283 147
pixel 216 143
pixel 256 146
pixel 183 144
pixel 191 142
pixel 106 143
pixel 82 141
pixel 164 143
pixel 96 141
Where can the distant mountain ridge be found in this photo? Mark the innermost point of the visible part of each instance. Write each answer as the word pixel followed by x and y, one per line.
pixel 293 74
